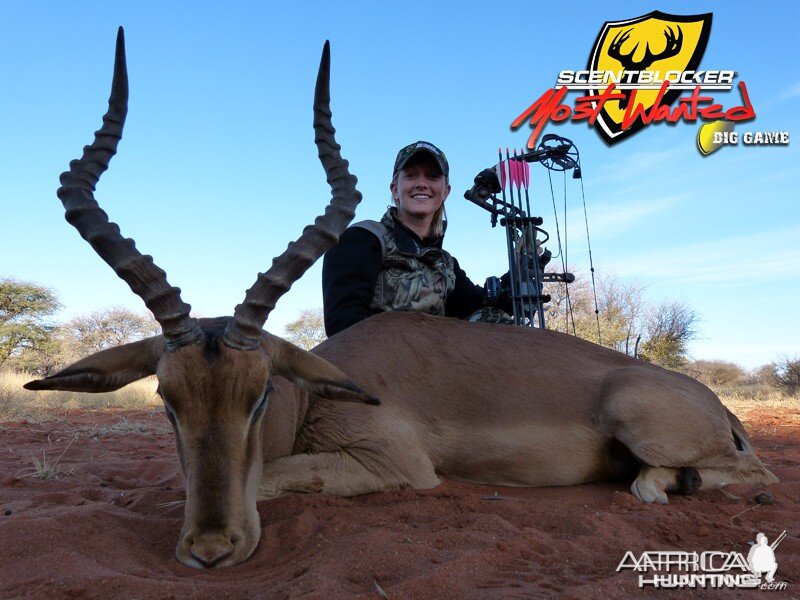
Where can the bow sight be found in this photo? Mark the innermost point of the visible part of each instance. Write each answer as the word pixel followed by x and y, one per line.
pixel 526 260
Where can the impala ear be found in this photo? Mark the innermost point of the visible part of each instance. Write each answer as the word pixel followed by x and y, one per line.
pixel 313 373
pixel 107 370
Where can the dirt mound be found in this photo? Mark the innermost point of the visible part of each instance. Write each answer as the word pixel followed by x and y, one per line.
pixel 106 523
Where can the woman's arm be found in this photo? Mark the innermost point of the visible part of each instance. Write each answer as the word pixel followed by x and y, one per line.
pixel 349 273
pixel 465 298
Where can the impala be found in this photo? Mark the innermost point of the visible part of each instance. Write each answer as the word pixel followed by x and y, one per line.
pixel 398 400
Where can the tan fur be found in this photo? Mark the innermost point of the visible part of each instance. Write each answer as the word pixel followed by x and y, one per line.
pixel 514 406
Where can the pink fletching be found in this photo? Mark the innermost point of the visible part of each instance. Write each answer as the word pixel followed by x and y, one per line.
pixel 516 178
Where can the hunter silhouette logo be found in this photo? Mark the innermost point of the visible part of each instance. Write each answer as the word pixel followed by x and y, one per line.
pixel 761 558
pixel 637 70
pixel 647 50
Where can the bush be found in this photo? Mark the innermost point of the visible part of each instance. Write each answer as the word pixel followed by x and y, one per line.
pixel 787 375
pixel 716 372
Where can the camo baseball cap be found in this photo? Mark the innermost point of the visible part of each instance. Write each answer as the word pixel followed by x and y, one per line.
pixel 406 153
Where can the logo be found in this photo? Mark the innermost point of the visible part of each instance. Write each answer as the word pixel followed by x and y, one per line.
pixel 713 136
pixel 675 569
pixel 642 71
pixel 646 51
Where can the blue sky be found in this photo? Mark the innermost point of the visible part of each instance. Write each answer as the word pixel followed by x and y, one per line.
pixel 217 170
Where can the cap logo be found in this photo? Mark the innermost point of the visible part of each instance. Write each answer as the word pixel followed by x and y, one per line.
pixel 427 146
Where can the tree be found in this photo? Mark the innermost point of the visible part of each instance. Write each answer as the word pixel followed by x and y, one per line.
pixel 86 334
pixel 765 375
pixel 307 330
pixel 24 308
pixel 787 375
pixel 715 372
pixel 670 328
pixel 44 358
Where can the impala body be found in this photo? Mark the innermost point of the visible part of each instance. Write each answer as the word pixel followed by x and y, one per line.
pixel 398 400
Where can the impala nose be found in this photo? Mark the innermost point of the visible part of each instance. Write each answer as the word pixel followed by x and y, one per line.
pixel 210 549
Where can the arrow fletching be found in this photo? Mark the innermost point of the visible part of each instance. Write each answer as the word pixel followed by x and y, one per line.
pixel 526 175
pixel 501 172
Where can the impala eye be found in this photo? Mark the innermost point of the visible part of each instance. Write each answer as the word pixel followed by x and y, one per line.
pixel 258 409
pixel 261 404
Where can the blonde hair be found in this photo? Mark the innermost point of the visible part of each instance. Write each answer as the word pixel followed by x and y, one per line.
pixel 437 223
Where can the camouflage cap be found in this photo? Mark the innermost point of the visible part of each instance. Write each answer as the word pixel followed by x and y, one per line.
pixel 406 153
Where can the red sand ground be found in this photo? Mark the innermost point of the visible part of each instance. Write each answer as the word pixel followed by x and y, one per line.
pixel 101 529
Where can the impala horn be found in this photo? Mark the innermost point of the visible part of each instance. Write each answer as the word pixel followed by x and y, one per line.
pixel 145 279
pixel 244 330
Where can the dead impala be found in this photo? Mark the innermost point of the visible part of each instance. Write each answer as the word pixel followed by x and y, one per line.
pixel 255 416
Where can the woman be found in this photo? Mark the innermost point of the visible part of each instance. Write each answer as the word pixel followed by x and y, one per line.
pixel 398 263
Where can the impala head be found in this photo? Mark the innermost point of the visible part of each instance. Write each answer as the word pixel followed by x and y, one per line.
pixel 214 374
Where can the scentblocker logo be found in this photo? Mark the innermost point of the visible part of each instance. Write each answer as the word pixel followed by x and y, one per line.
pixel 674 569
pixel 625 49
pixel 641 71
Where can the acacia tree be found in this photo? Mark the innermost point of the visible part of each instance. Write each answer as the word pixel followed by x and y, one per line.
pixel 307 330
pixel 84 335
pixel 24 311
pixel 786 374
pixel 106 328
pixel 715 372
pixel 670 328
pixel 45 358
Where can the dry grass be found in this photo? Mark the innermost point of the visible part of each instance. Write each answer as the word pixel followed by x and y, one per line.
pixel 47 468
pixel 17 403
pixel 755 397
pixel 123 427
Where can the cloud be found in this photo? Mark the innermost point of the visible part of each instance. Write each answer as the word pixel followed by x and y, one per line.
pixel 619 174
pixel 733 262
pixel 610 219
pixel 621 216
pixel 793 91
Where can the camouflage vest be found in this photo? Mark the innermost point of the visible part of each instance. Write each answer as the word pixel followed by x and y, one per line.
pixel 414 277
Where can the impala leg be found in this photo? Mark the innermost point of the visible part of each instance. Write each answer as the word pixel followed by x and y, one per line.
pixel 335 473
pixel 653 483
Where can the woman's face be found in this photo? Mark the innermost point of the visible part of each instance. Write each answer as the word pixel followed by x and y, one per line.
pixel 420 187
